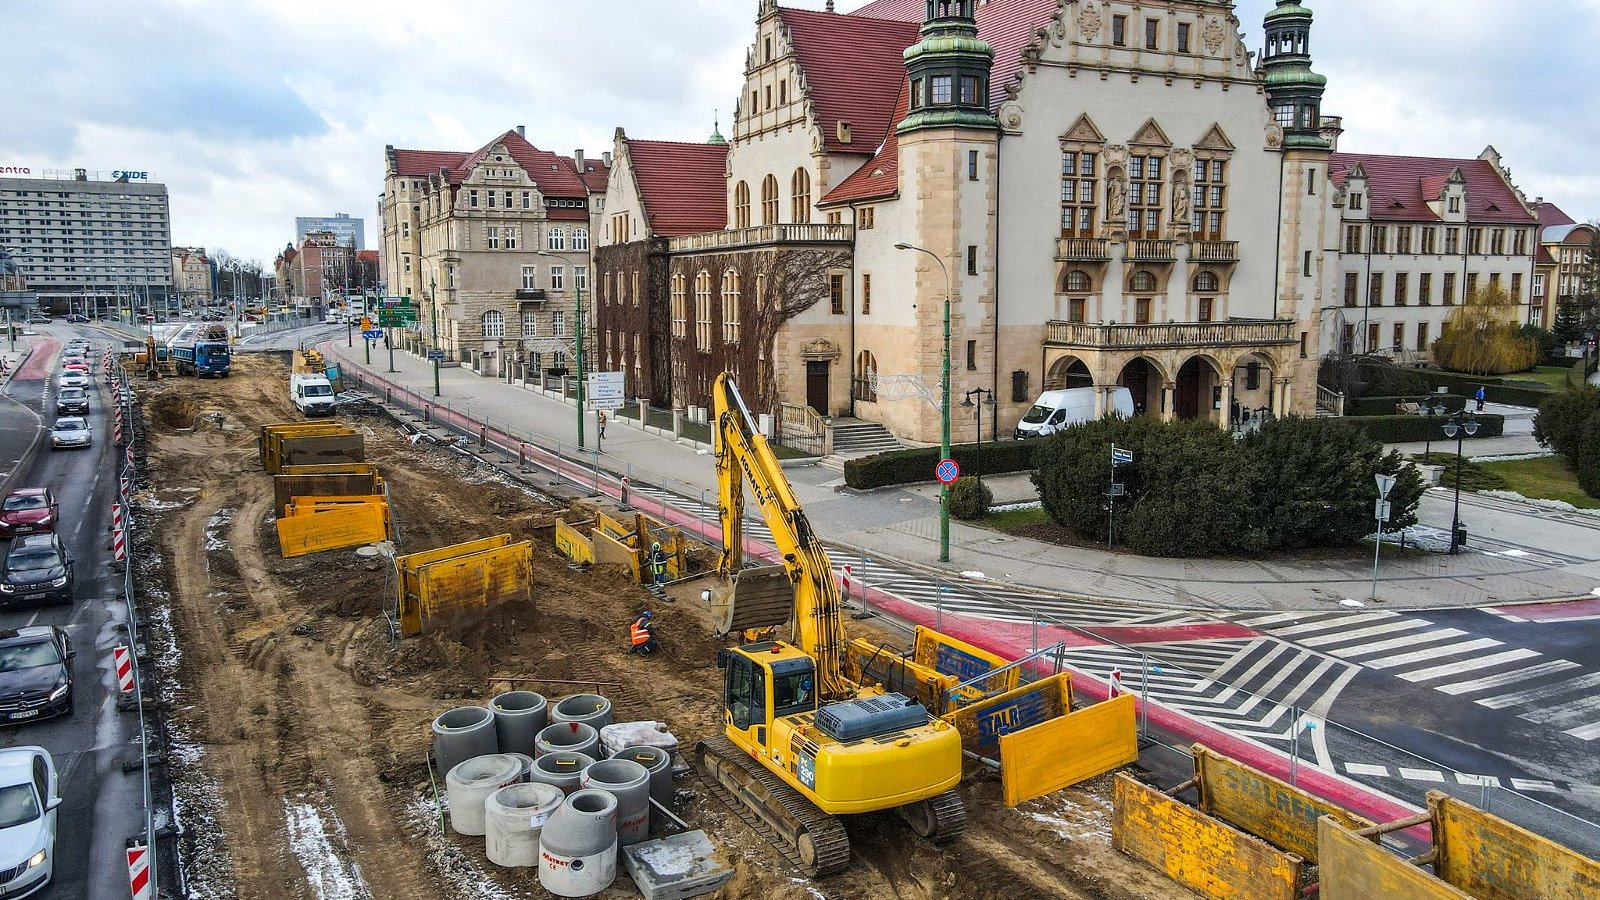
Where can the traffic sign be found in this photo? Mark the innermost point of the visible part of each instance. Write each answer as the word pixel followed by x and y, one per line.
pixel 1385 485
pixel 1381 510
pixel 436 355
pixel 397 316
pixel 947 471
pixel 606 390
pixel 1120 456
pixel 366 323
pixel 375 334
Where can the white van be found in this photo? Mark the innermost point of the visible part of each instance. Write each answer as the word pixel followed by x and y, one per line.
pixel 311 394
pixel 1055 410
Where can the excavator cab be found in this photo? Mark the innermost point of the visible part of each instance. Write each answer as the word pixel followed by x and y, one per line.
pixel 764 682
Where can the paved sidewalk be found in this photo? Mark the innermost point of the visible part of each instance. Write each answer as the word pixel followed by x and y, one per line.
pixel 1518 552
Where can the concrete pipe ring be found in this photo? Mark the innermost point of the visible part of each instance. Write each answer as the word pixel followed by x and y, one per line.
pixel 518 716
pixel 658 763
pixel 561 769
pixel 462 733
pixel 578 846
pixel 470 783
pixel 590 709
pixel 573 737
pixel 629 782
pixel 513 818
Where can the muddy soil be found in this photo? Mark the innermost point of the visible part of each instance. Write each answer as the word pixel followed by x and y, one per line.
pixel 310 729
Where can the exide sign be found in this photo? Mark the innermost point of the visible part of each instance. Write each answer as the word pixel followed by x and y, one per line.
pixel 130 176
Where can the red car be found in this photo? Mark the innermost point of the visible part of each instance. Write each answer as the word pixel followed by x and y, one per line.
pixel 28 510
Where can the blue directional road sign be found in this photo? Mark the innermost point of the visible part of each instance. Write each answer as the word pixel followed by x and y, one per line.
pixel 947 471
pixel 1120 457
pixel 436 355
pixel 375 334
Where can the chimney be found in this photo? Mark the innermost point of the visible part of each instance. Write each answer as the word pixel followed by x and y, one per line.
pixel 606 158
pixel 577 157
pixel 522 132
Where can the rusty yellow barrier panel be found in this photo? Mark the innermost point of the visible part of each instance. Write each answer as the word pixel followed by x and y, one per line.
pixel 323 443
pixel 1202 853
pixel 573 544
pixel 869 663
pixel 263 446
pixel 982 723
pixel 476 582
pixel 286 487
pixel 609 551
pixel 299 506
pixel 1357 868
pixel 964 662
pixel 1492 859
pixel 407 588
pixel 1270 809
pixel 336 529
pixel 1068 749
pixel 346 468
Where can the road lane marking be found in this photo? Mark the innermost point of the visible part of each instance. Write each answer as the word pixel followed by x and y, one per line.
pixel 1540 693
pixel 1586 732
pixel 1532 784
pixel 1389 662
pixel 1326 624
pixel 1375 630
pixel 1422 775
pixel 1564 712
pixel 1468 665
pixel 1505 678
pixel 1410 640
pixel 1364 769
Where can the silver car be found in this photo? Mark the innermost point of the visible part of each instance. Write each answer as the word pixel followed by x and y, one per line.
pixel 73 379
pixel 70 431
pixel 29 796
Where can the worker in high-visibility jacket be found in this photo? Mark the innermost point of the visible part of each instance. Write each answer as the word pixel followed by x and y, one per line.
pixel 642 634
pixel 658 564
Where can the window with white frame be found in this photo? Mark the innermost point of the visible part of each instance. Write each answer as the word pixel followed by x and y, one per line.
pixel 580 277
pixel 527 200
pixel 730 307
pixel 556 240
pixel 494 324
pixel 702 311
pixel 558 324
pixel 407 259
pixel 511 237
pixel 580 238
pixel 530 323
pixel 530 276
pixel 680 306
pixel 492 235
pixel 558 278
pixel 405 229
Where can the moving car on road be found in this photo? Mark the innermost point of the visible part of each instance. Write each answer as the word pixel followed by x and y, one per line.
pixel 36 569
pixel 72 400
pixel 29 796
pixel 77 318
pixel 35 675
pixel 27 510
pixel 73 378
pixel 70 432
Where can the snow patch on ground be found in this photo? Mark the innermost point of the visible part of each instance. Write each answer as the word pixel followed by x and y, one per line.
pixel 1559 505
pixel 974 575
pixel 1072 816
pixel 316 838
pixel 214 526
pixel 1008 507
pixel 1510 457
pixel 469 877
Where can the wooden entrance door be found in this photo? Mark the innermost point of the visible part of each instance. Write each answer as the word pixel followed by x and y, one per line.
pixel 817 385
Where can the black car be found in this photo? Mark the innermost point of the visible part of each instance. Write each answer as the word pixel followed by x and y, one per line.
pixel 35 676
pixel 36 569
pixel 72 401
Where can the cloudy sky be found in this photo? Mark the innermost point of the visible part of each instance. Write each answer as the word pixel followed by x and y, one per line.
pixel 254 111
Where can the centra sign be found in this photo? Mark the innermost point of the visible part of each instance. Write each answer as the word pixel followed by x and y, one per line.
pixel 15 170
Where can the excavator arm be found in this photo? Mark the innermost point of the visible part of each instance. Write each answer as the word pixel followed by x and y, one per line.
pixel 745 459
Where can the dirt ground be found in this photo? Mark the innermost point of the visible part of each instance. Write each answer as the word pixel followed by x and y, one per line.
pixel 302 772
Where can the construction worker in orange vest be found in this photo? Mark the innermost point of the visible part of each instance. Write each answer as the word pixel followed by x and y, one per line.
pixel 642 634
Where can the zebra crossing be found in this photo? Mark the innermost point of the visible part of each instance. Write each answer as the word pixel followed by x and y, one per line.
pixel 1536 688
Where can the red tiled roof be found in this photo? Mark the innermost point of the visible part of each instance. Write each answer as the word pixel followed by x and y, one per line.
pixel 1550 215
pixel 596 175
pixel 1400 187
pixel 1007 26
pixel 853 66
pixel 880 177
pixel 420 163
pixel 370 256
pixel 683 186
pixel 1542 256
pixel 556 176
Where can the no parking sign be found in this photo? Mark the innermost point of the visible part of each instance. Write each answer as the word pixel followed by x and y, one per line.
pixel 947 471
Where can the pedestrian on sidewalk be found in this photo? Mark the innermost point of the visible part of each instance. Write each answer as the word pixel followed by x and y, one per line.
pixel 600 420
pixel 1479 396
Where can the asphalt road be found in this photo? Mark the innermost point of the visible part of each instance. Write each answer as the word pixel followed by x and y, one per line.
pixel 101 806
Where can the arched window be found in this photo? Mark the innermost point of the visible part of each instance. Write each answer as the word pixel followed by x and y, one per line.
pixel 580 238
pixel 1206 283
pixel 1143 282
pixel 730 307
pixel 680 306
pixel 557 240
pixel 494 324
pixel 741 205
pixel 1076 282
pixel 702 311
pixel 866 373
pixel 769 200
pixel 800 190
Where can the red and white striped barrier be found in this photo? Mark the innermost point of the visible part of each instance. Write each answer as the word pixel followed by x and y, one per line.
pixel 125 487
pixel 123 660
pixel 844 580
pixel 1117 689
pixel 139 872
pixel 119 543
pixel 129 456
pixel 116 427
pixel 116 516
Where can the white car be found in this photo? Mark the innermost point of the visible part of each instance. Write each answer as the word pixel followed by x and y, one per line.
pixel 29 796
pixel 74 379
pixel 69 431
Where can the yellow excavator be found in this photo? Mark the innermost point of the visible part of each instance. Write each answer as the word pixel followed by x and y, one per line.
pixel 803 743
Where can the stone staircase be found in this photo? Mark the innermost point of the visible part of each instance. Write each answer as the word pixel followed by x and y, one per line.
pixel 854 438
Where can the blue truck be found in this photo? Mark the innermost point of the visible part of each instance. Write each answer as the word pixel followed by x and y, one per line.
pixel 201 351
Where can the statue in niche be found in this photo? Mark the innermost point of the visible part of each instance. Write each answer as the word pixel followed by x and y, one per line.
pixel 1116 196
pixel 1180 202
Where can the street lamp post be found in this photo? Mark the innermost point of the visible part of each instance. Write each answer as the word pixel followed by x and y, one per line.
pixel 433 320
pixel 985 398
pixel 1429 410
pixel 1459 426
pixel 578 356
pixel 944 402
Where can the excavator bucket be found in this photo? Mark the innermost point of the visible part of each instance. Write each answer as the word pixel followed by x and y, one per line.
pixel 757 598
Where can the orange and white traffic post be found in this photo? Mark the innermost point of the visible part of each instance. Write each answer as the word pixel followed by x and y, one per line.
pixel 139 872
pixel 122 659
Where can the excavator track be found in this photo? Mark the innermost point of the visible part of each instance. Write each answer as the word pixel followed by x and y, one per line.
pixel 939 819
pixel 813 840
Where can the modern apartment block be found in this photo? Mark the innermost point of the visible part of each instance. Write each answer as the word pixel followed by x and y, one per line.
pixel 89 241
pixel 348 230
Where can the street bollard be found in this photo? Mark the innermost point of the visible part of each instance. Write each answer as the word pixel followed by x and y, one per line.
pixel 483 438
pixel 938 615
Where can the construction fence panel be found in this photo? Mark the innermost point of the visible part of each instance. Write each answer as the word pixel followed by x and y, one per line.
pixel 573 544
pixel 408 590
pixel 982 723
pixel 308 444
pixel 1255 802
pixel 472 584
pixel 963 662
pixel 609 551
pixel 870 663
pixel 1357 868
pixel 1075 747
pixel 1205 854
pixel 266 438
pixel 287 487
pixel 334 529
pixel 1493 859
pixel 306 505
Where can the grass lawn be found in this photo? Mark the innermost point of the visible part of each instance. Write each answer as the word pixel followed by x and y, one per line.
pixel 1547 478
pixel 1013 520
pixel 1551 377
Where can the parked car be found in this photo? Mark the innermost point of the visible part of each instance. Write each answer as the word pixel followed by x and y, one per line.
pixel 69 432
pixel 1055 410
pixel 77 318
pixel 70 400
pixel 35 675
pixel 36 569
pixel 40 319
pixel 29 796
pixel 187 313
pixel 28 510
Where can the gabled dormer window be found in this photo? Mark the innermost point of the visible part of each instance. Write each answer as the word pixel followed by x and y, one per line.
pixel 1357 201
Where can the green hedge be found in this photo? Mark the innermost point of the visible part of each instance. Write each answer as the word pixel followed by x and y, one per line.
pixel 1404 429
pixel 914 466
pixel 1395 381
pixel 1389 406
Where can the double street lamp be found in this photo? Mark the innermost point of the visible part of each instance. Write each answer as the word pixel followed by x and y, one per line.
pixel 944 403
pixel 1460 426
pixel 985 398
pixel 1430 408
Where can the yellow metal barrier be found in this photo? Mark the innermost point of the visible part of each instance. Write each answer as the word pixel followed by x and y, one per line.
pixel 334 529
pixel 571 543
pixel 1047 757
pixel 1357 868
pixel 408 587
pixel 609 551
pixel 1266 807
pixel 869 663
pixel 963 662
pixel 308 444
pixel 1492 859
pixel 344 468
pixel 982 723
pixel 1200 852
pixel 285 488
pixel 471 584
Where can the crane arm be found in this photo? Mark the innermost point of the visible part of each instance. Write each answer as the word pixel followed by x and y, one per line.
pixel 742 456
